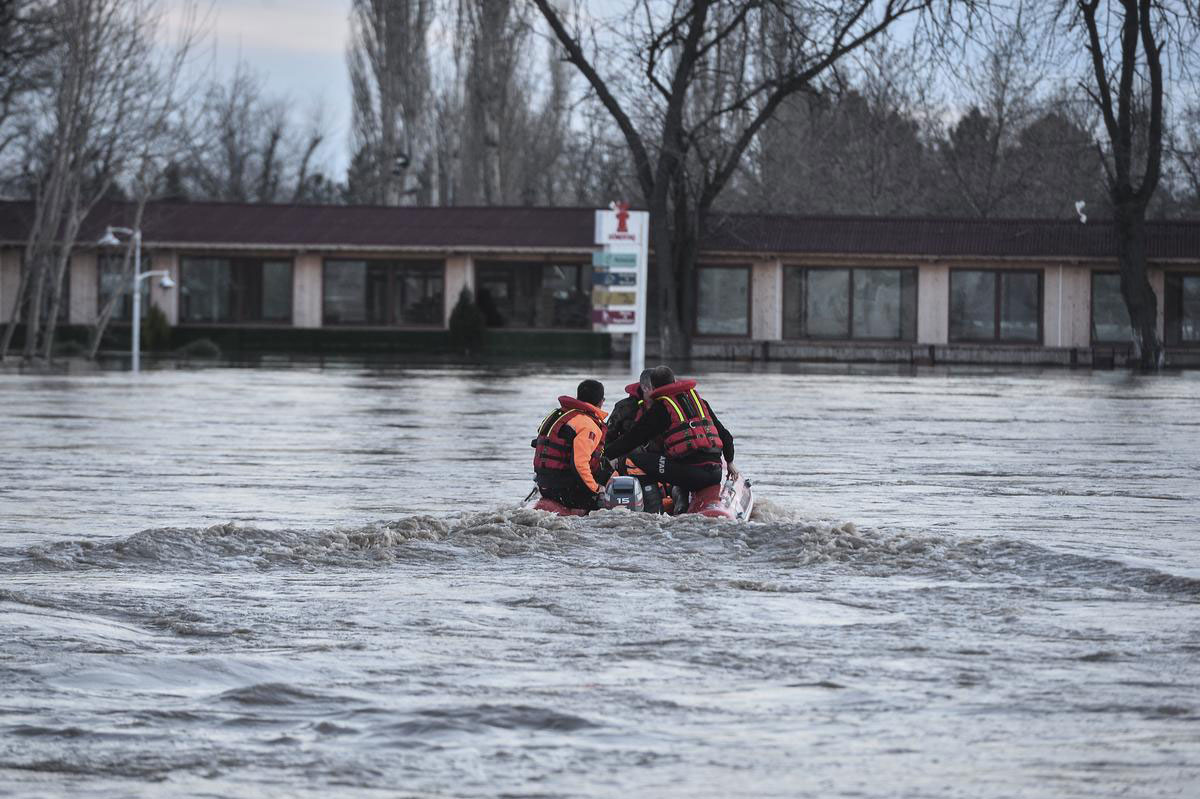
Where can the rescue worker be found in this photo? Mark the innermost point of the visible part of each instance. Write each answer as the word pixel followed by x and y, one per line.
pixel 566 457
pixel 626 411
pixel 689 437
pixel 624 414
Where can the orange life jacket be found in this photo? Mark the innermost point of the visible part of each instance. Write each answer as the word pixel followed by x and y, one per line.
pixel 554 445
pixel 691 430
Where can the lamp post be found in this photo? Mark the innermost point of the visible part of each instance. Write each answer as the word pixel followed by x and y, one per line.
pixel 109 239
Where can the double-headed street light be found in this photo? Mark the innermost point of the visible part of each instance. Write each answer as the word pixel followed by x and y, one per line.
pixel 109 239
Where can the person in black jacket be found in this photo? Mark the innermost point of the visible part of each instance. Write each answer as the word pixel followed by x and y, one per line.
pixel 625 412
pixel 690 439
pixel 622 419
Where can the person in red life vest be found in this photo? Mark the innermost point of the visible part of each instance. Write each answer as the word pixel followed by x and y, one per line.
pixel 689 438
pixel 566 457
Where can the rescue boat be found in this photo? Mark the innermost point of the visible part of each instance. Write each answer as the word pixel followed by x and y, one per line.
pixel 732 498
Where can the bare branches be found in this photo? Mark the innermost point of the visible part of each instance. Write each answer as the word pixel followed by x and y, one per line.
pixel 390 77
pixel 574 49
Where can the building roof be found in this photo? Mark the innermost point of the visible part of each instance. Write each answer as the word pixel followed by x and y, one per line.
pixel 325 226
pixel 521 228
pixel 1028 238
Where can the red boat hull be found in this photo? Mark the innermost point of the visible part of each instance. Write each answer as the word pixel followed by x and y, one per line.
pixel 557 507
pixel 730 499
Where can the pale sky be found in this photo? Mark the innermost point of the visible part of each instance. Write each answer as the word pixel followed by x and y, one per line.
pixel 297 47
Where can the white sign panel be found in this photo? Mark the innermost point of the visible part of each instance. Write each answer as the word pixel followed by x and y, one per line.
pixel 619 227
pixel 619 277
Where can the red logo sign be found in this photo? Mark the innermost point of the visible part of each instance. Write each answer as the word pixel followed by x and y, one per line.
pixel 622 210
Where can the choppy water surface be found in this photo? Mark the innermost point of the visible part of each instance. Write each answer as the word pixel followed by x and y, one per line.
pixel 301 581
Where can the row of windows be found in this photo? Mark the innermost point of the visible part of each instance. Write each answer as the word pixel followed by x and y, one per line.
pixel 990 306
pixel 876 304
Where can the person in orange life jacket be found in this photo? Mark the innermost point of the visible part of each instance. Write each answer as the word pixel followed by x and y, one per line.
pixel 690 437
pixel 566 458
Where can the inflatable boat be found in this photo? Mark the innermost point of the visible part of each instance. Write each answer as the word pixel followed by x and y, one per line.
pixel 729 499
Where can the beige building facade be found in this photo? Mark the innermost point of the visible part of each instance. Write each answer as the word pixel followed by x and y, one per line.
pixel 774 288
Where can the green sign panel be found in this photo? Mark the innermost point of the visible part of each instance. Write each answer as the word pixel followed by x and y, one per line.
pixel 629 259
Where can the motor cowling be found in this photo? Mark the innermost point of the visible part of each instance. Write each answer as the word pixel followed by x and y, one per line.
pixel 624 491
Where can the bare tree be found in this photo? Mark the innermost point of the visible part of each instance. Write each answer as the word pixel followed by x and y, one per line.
pixel 111 96
pixel 701 96
pixel 1185 153
pixel 24 39
pixel 388 59
pixel 1127 43
pixel 861 140
pixel 998 71
pixel 245 145
pixel 496 29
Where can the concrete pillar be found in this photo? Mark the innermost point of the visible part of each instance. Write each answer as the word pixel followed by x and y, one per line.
pixel 460 273
pixel 1158 282
pixel 10 279
pixel 766 292
pixel 166 299
pixel 933 304
pixel 83 289
pixel 1053 300
pixel 307 290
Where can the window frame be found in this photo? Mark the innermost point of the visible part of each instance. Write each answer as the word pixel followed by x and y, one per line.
pixel 513 282
pixel 148 259
pixel 749 269
pixel 997 300
pixel 787 300
pixel 1092 310
pixel 233 258
pixel 394 269
pixel 1173 310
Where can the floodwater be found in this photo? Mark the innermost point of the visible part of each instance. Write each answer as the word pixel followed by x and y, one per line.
pixel 305 581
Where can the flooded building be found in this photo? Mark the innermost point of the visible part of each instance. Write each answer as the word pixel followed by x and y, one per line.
pixel 338 278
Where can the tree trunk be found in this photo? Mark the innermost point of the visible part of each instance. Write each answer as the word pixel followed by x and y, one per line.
pixel 62 264
pixel 1130 221
pixel 672 342
pixel 33 316
pixel 15 318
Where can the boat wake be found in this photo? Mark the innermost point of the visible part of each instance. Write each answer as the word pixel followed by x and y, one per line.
pixel 776 539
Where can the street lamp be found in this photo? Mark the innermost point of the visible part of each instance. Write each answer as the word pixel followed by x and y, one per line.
pixel 109 239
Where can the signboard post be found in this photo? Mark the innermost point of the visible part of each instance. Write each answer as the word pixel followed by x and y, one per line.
pixel 619 277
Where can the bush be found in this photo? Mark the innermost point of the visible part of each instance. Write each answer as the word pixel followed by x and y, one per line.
pixel 156 331
pixel 200 348
pixel 467 326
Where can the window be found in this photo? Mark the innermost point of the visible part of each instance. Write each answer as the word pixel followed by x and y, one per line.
pixel 110 281
pixel 1110 317
pixel 235 290
pixel 1182 306
pixel 994 305
pixel 871 304
pixel 359 292
pixel 723 301
pixel 525 295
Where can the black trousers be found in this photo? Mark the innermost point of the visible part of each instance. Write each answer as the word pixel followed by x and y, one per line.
pixel 691 476
pixel 566 488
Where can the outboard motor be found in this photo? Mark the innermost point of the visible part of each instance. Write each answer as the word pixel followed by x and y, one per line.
pixel 623 491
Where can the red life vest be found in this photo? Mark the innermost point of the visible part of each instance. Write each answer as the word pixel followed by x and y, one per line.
pixel 554 447
pixel 691 430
